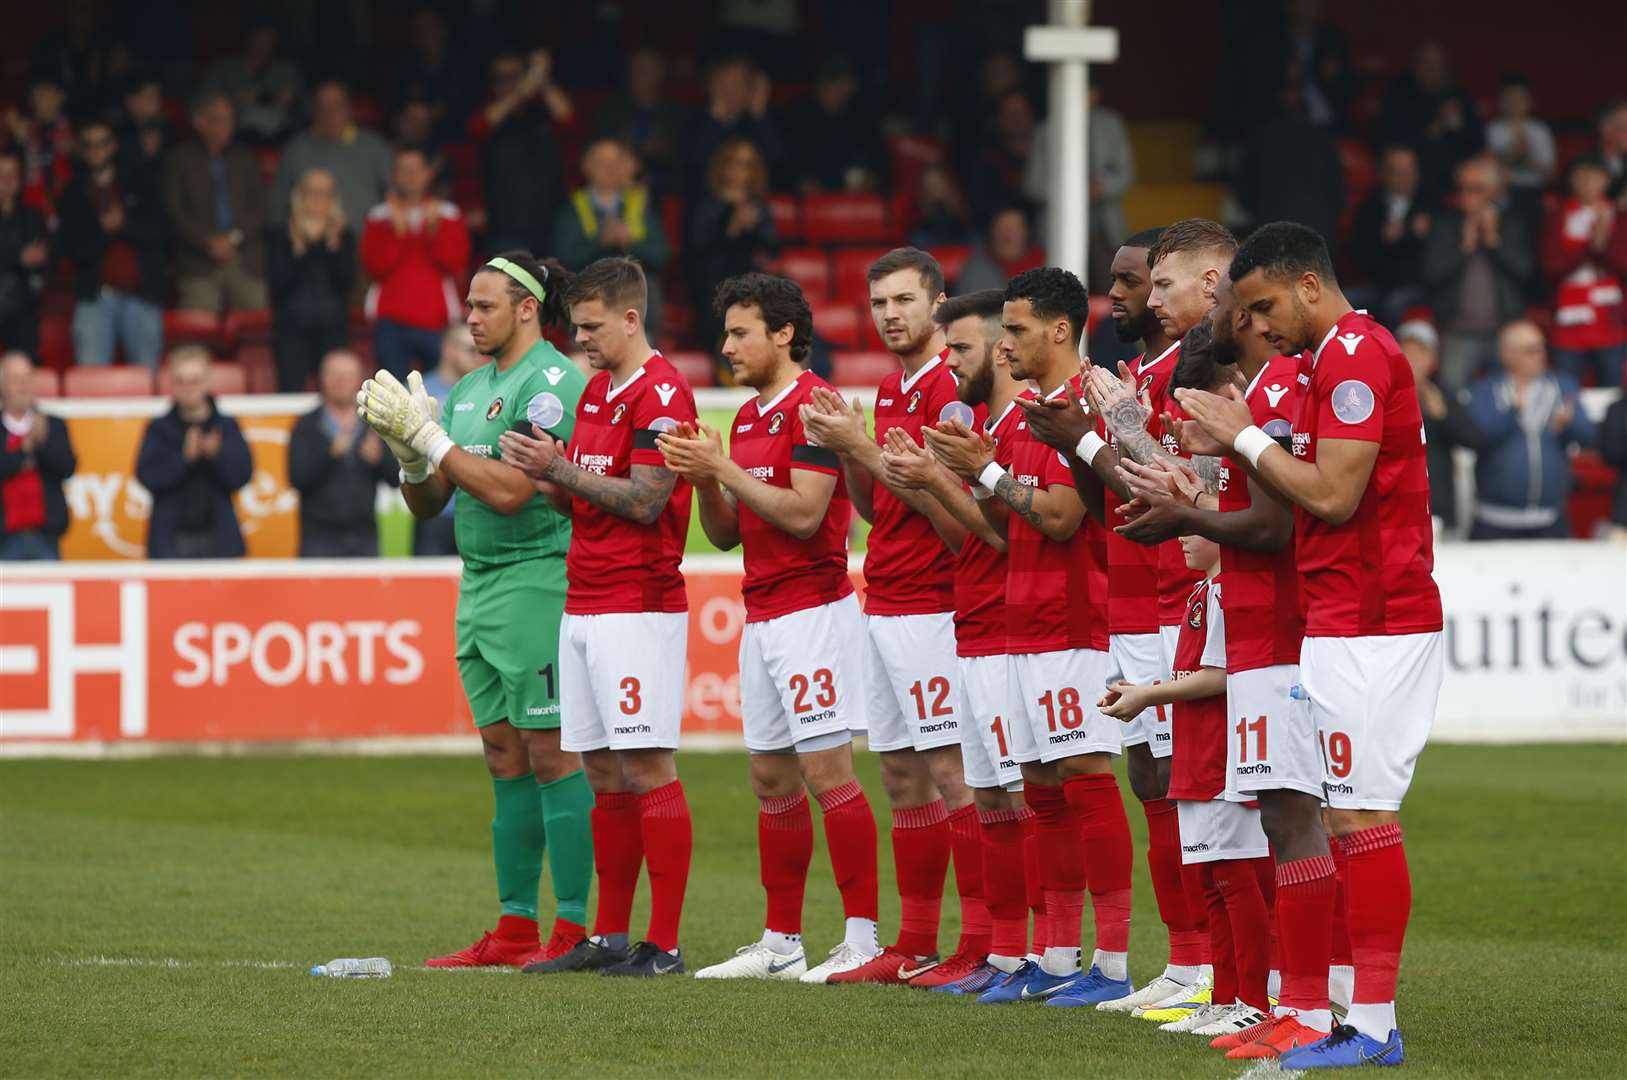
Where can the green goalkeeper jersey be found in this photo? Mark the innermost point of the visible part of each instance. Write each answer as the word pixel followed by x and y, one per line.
pixel 541 389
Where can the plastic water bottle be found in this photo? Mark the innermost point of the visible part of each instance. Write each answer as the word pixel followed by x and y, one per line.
pixel 373 967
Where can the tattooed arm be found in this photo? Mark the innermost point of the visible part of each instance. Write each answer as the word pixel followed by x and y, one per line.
pixel 1056 511
pixel 640 496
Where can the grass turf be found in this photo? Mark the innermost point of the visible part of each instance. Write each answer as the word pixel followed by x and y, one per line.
pixel 111 870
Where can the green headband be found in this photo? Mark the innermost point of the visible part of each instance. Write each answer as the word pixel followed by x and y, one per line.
pixel 520 274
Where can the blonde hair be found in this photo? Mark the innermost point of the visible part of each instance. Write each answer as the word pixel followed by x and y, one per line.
pixel 187 354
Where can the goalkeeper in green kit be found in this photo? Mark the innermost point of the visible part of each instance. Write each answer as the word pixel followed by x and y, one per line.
pixel 512 592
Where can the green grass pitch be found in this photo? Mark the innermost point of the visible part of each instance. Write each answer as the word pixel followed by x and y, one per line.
pixel 158 916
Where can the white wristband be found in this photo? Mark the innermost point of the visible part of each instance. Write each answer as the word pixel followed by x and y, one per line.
pixel 417 473
pixel 1250 443
pixel 1089 445
pixel 990 476
pixel 439 447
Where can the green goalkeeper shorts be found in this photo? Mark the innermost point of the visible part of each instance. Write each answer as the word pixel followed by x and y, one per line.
pixel 508 641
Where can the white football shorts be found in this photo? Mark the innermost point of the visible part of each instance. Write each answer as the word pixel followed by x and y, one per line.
pixel 621 680
pixel 992 747
pixel 1270 734
pixel 801 675
pixel 1056 693
pixel 1141 662
pixel 911 698
pixel 1218 829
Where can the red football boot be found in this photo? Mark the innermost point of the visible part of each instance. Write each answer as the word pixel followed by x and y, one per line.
pixel 890 968
pixel 565 937
pixel 958 966
pixel 1285 1035
pixel 510 945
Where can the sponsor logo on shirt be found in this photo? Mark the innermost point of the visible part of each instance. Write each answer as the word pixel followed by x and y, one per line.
pixel 1028 478
pixel 553 375
pixel 618 412
pixel 495 409
pixel 589 407
pixel 1302 444
pixel 762 472
pixel 1273 393
pixel 776 422
pixel 742 428
pixel 1352 401
pixel 1350 340
pixel 598 463
pixel 885 401
pixel 463 406
pixel 664 391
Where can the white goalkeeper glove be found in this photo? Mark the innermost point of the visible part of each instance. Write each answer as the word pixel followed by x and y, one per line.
pixel 405 418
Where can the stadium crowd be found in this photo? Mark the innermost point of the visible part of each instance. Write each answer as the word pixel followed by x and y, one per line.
pixel 272 214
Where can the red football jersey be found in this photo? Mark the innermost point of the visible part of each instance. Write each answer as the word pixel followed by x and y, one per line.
pixel 907 568
pixel 1056 591
pixel 1197 770
pixel 782 573
pixel 1264 623
pixel 980 576
pixel 1132 578
pixel 614 564
pixel 1175 578
pixel 1371 576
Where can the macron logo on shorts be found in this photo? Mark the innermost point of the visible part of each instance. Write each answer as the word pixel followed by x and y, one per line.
pixel 1260 769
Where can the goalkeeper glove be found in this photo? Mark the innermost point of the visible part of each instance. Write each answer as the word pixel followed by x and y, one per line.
pixel 405 417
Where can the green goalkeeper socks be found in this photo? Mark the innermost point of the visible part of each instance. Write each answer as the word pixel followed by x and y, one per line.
pixel 567 807
pixel 518 837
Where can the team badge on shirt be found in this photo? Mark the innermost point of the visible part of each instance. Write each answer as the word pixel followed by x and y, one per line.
pixel 1146 384
pixel 1352 401
pixel 494 409
pixel 915 402
pixel 1194 617
pixel 776 422
pixel 618 412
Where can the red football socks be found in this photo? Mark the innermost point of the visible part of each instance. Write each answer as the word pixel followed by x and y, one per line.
pixel 618 851
pixel 668 841
pixel 1033 889
pixel 1180 910
pixel 1380 894
pixel 1341 904
pixel 1095 798
pixel 1200 881
pixel 966 839
pixel 1304 924
pixel 1062 863
pixel 850 833
pixel 921 859
pixel 784 850
pixel 1004 879
pixel 1237 881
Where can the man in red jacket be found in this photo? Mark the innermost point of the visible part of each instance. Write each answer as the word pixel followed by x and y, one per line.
pixel 415 246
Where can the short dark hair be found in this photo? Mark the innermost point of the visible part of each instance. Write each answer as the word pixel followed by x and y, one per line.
pixel 1146 238
pixel 1052 291
pixel 402 148
pixel 1283 250
pixel 12 153
pixel 985 304
pixel 1192 234
pixel 207 97
pixel 616 281
pixel 778 298
pixel 908 258
pixel 550 274
pixel 1512 79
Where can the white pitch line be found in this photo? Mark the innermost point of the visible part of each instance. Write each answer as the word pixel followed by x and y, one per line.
pixel 172 962
pixel 1269 1070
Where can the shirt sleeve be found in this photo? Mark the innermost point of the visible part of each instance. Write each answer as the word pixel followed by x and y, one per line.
pixel 1057 470
pixel 1214 644
pixel 661 407
pixel 1355 388
pixel 554 397
pixel 804 454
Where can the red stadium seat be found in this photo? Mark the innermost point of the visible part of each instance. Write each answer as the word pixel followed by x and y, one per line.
pixel 126 380
pixel 183 327
pixel 246 327
pixel 787 216
pixel 838 323
pixel 862 367
pixel 259 366
pixel 56 341
pixel 911 154
pixel 809 268
pixel 225 377
pixel 696 367
pixel 953 258
pixel 47 383
pixel 269 158
pixel 672 221
pixel 856 218
pixel 852 266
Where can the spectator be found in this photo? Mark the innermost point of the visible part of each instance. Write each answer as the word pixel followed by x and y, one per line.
pixel 35 458
pixel 311 268
pixel 645 118
pixel 142 127
pixel 941 209
pixel 44 137
pixel 730 228
pixel 1584 254
pixel 263 87
pixel 1002 161
pixel 1313 191
pixel 192 459
pixel 217 204
pixel 432 75
pixel 1112 174
pixel 1006 253
pixel 434 536
pixel 1613 149
pixel 414 125
pixel 1319 62
pixel 1613 449
pixel 838 145
pixel 114 233
pixel 1521 424
pixel 1445 422
pixel 737 96
pixel 1426 109
pixel 415 247
pixel 1524 145
pixel 612 215
pixel 24 252
pixel 1387 237
pixel 336 463
pixel 356 158
pixel 520 163
pixel 1477 263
